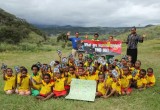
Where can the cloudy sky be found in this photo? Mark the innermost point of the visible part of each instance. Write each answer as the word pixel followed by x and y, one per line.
pixel 86 12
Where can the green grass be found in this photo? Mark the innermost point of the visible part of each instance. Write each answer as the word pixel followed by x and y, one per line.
pixel 149 53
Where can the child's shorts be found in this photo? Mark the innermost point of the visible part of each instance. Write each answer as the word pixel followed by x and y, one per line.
pixel 59 93
pixel 34 92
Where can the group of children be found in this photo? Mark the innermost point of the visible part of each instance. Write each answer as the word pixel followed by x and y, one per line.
pixel 113 77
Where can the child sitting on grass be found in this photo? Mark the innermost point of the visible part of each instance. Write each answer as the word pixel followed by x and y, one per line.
pixel 101 85
pixel 10 81
pixel 59 86
pixel 46 88
pixel 115 88
pixel 126 79
pixel 35 76
pixel 142 81
pixel 24 83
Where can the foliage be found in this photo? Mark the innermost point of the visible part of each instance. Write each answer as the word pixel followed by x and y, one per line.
pixel 13 30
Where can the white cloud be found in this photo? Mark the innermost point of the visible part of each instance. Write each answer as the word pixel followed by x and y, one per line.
pixel 86 12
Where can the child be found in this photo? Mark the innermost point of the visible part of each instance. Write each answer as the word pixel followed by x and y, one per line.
pixel 150 78
pixel 46 88
pixel 81 74
pixel 129 58
pixel 10 81
pixel 109 81
pixel 101 86
pixel 126 79
pixel 142 81
pixel 70 75
pixel 35 76
pixel 71 61
pixel 115 88
pixel 130 65
pixel 124 62
pixel 59 86
pixel 24 83
pixel 135 73
pixel 80 57
pixel 92 75
pixel 89 62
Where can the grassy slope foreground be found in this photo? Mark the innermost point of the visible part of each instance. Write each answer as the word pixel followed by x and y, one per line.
pixel 149 53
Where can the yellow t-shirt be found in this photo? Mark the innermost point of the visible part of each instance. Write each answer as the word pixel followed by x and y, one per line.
pixel 131 69
pixel 46 88
pixel 59 84
pixel 151 80
pixel 86 64
pixel 141 82
pixel 83 77
pixel 117 87
pixel 24 84
pixel 137 75
pixel 101 88
pixel 125 81
pixel 92 77
pixel 70 77
pixel 109 81
pixel 9 83
pixel 37 78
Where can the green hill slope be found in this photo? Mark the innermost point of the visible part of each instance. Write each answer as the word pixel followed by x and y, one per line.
pixel 14 30
pixel 151 32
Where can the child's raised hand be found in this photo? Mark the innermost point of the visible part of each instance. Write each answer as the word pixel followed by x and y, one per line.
pixel 4 71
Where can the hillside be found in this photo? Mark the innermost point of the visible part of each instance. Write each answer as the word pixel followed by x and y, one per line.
pixel 55 29
pixel 14 30
pixel 151 32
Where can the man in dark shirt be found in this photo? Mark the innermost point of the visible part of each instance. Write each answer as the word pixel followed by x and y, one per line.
pixel 132 42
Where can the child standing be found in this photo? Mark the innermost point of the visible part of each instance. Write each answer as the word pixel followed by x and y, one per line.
pixel 150 78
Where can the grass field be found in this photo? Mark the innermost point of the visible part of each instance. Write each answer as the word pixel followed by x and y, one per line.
pixel 149 54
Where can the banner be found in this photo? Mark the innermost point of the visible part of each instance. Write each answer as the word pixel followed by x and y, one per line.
pixel 82 90
pixel 102 47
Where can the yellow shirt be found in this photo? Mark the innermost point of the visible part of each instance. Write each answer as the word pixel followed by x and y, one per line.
pixel 109 81
pixel 9 83
pixel 92 77
pixel 46 88
pixel 83 77
pixel 37 78
pixel 137 75
pixel 70 77
pixel 24 84
pixel 117 87
pixel 86 64
pixel 59 84
pixel 141 82
pixel 125 81
pixel 101 88
pixel 151 80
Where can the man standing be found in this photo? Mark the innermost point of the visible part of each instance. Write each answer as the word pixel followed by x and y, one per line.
pixel 74 41
pixel 132 42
